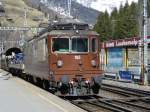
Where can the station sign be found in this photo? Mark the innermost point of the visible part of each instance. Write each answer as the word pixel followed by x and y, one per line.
pixel 135 41
pixel 125 76
pixel 121 43
pixel 148 39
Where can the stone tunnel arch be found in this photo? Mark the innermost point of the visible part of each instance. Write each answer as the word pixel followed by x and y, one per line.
pixel 7 56
pixel 14 49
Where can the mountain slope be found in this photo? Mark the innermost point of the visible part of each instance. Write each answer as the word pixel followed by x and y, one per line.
pixel 14 14
pixel 82 13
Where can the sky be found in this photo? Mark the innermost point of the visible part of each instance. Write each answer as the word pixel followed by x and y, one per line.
pixel 108 5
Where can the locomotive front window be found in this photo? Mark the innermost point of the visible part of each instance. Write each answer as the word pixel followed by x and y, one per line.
pixel 60 44
pixel 94 45
pixel 79 45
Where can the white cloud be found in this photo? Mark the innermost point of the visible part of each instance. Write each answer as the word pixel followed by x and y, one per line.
pixel 108 5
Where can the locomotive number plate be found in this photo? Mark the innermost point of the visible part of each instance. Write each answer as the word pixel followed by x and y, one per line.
pixel 77 57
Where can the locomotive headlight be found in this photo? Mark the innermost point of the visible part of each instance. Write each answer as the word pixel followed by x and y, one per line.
pixel 87 81
pixel 93 63
pixel 71 82
pixel 59 63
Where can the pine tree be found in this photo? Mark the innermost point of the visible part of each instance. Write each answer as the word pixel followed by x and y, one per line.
pixel 103 26
pixel 114 19
pixel 133 24
pixel 122 23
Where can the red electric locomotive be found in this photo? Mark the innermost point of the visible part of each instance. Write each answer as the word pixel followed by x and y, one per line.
pixel 65 59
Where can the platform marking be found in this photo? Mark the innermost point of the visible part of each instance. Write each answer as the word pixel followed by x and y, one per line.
pixel 44 98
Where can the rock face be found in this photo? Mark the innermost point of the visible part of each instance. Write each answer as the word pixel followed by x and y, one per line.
pixel 12 13
pixel 59 7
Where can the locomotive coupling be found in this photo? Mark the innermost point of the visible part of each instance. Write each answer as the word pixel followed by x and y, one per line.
pixel 64 84
pixel 64 79
pixel 96 82
pixel 97 79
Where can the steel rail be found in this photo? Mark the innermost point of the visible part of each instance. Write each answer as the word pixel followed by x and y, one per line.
pixel 79 105
pixel 116 91
pixel 131 104
pixel 121 91
pixel 142 92
pixel 116 106
pixel 127 91
pixel 100 102
pixel 110 106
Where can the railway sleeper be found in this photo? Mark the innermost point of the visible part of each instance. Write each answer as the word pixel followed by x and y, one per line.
pixel 108 107
pixel 118 107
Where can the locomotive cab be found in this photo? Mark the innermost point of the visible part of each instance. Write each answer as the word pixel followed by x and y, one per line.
pixel 74 59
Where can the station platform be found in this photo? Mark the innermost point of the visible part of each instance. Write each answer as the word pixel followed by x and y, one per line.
pixel 126 84
pixel 17 95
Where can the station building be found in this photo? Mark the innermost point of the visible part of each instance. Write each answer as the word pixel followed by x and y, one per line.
pixel 122 55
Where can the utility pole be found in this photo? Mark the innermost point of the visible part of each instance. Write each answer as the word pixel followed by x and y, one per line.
pixel 143 44
pixel 69 7
pixel 145 41
pixel 25 17
pixel 1 50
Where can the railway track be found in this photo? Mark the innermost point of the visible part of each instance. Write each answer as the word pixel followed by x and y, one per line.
pixel 102 104
pixel 124 91
pixel 134 101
